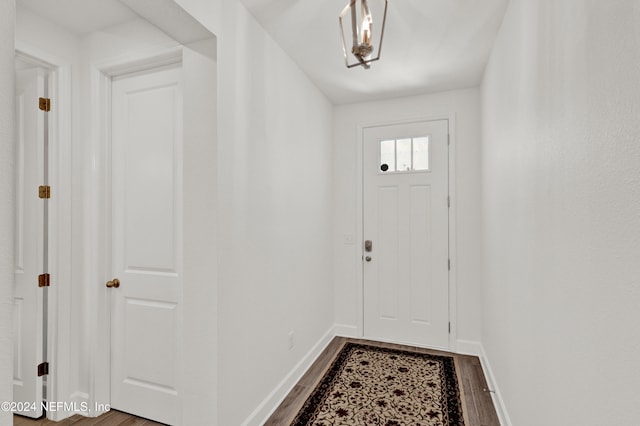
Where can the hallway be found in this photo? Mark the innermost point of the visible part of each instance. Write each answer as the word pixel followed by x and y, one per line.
pixel 538 271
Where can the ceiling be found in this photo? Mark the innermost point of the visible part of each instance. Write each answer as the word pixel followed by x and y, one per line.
pixel 429 45
pixel 86 16
pixel 81 16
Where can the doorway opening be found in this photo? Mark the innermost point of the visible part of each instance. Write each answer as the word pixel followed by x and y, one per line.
pixel 31 237
pixel 142 242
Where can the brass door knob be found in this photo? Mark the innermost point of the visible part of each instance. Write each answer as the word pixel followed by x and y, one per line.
pixel 113 284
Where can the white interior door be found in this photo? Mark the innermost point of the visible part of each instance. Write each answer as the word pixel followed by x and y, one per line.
pixel 29 242
pixel 405 209
pixel 146 255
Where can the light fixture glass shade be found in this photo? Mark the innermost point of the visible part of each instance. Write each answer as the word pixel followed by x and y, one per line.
pixel 362 46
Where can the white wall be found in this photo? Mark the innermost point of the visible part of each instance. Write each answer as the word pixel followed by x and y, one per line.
pixel 200 291
pixel 274 218
pixel 465 106
pixel 7 266
pixel 274 197
pixel 561 216
pixel 275 174
pixel 274 215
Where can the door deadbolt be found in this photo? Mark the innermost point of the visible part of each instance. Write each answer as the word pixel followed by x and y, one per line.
pixel 113 284
pixel 368 245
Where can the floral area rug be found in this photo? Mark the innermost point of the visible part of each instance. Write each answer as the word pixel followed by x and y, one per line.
pixel 369 385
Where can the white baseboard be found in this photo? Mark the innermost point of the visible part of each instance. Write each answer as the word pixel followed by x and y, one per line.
pixel 344 330
pixel 78 401
pixel 498 402
pixel 80 397
pixel 468 347
pixel 262 413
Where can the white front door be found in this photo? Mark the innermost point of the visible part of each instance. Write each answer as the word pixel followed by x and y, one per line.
pixel 29 243
pixel 406 228
pixel 146 249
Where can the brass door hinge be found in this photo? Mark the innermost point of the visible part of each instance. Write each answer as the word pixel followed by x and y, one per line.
pixel 44 191
pixel 43 369
pixel 44 104
pixel 44 280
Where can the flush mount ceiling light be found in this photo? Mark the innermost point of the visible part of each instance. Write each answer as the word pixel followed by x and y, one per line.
pixel 362 47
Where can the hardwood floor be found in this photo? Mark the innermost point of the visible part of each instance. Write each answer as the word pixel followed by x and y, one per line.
pixel 112 418
pixel 476 398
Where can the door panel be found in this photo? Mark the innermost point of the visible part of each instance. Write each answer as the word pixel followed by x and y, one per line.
pixel 147 244
pixel 419 250
pixel 406 281
pixel 29 240
pixel 386 246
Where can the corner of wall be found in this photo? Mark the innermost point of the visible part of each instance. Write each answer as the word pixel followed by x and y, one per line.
pixel 262 413
pixel 345 330
pixel 468 347
pixel 492 385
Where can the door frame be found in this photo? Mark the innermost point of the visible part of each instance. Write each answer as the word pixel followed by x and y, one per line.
pixel 99 201
pixel 58 335
pixel 360 128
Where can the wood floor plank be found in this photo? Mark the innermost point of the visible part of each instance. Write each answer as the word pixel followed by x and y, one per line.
pixel 470 398
pixel 20 421
pixel 66 422
pixel 27 421
pixel 482 395
pixel 316 371
pixel 137 422
pixel 289 406
pixel 111 418
pixel 115 419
